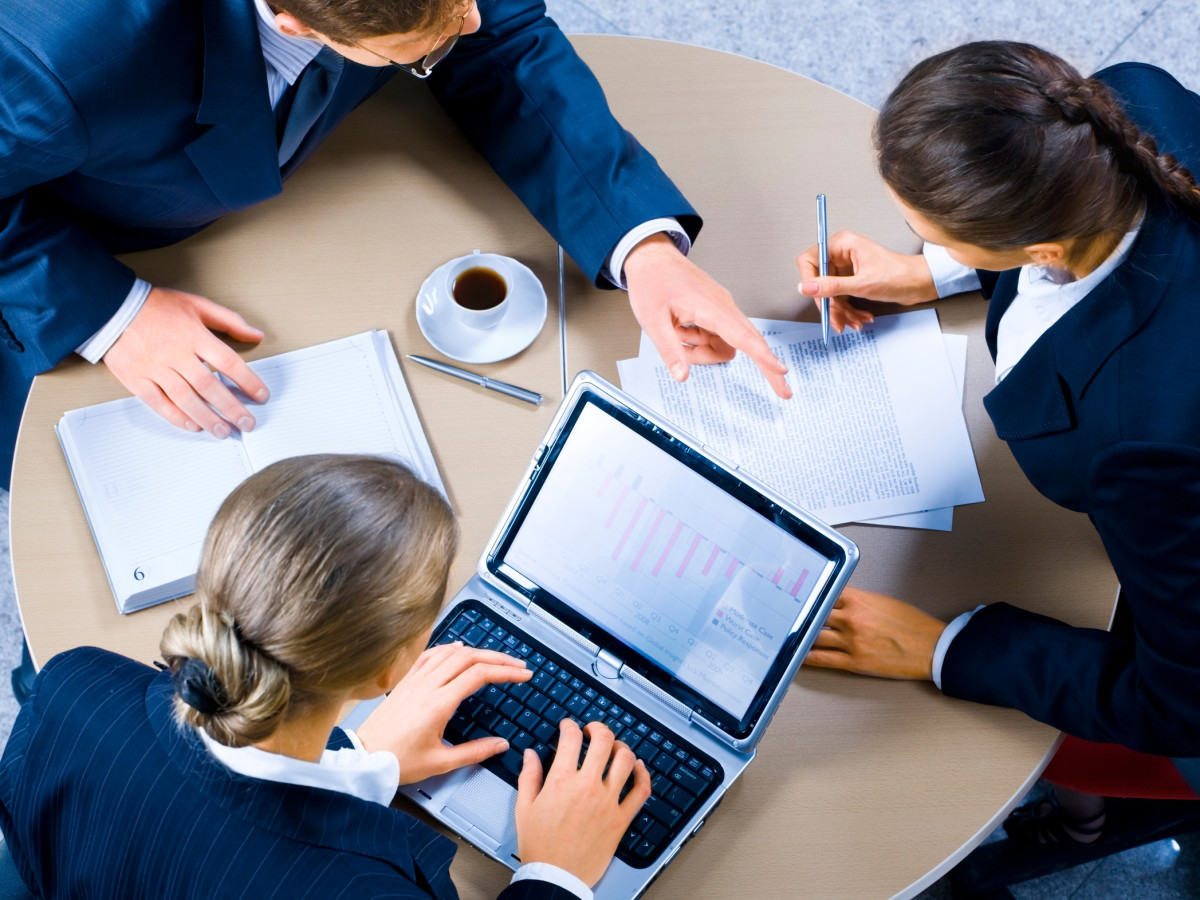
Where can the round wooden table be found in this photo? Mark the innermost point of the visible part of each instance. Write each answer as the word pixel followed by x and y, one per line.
pixel 862 788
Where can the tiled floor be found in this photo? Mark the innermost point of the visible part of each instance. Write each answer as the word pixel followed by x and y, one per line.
pixel 862 47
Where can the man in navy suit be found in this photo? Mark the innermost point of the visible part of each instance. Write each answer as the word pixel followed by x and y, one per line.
pixel 128 124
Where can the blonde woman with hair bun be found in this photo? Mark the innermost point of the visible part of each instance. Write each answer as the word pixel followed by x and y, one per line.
pixel 225 774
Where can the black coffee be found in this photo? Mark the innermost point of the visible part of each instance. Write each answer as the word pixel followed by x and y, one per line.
pixel 479 288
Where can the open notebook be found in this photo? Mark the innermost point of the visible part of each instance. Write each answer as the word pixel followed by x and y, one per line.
pixel 150 490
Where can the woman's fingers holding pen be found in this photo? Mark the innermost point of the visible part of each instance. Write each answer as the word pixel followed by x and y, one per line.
pixel 859 267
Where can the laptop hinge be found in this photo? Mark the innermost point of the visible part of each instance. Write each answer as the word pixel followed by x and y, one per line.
pixel 701 721
pixel 606 665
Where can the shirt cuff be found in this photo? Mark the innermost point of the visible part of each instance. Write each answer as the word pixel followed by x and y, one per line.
pixel 614 266
pixel 949 634
pixel 94 348
pixel 949 277
pixel 537 871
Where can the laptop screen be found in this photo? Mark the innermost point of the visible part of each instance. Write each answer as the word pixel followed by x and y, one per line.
pixel 643 544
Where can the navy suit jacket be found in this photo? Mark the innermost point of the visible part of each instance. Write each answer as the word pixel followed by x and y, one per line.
pixel 1103 416
pixel 128 124
pixel 102 794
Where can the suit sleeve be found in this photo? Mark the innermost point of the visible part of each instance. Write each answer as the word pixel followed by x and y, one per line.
pixel 58 285
pixel 527 101
pixel 1141 688
pixel 535 890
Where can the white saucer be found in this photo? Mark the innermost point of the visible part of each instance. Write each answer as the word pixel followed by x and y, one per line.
pixel 521 323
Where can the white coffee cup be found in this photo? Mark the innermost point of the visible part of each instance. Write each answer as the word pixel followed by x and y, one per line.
pixel 479 289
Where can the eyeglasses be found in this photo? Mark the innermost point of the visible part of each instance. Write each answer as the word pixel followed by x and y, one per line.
pixel 423 67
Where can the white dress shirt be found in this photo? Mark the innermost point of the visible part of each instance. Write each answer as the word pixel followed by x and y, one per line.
pixel 372 777
pixel 285 57
pixel 1041 300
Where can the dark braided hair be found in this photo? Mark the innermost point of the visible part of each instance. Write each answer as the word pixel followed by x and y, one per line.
pixel 1002 145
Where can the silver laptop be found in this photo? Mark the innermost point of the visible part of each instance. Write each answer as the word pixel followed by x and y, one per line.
pixel 651 586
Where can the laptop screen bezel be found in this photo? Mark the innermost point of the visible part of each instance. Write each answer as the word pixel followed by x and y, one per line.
pixel 679 448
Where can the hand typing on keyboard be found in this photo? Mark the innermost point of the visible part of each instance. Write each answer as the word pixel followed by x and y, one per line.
pixel 412 718
pixel 574 816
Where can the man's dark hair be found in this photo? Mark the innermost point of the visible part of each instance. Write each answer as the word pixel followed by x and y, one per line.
pixel 347 21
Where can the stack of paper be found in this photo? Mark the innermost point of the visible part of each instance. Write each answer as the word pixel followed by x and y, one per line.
pixel 874 431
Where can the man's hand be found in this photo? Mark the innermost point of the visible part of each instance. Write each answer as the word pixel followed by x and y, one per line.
pixel 873 634
pixel 689 317
pixel 161 359
pixel 411 719
pixel 859 267
pixel 575 818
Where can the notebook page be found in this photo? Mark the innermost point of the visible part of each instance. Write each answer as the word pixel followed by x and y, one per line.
pixel 149 490
pixel 335 398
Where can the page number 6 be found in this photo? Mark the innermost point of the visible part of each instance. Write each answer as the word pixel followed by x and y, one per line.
pixel 139 575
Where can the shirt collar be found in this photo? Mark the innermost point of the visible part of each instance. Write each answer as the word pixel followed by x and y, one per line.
pixel 286 54
pixel 373 777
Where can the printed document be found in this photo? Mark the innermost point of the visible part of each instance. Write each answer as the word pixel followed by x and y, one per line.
pixel 874 427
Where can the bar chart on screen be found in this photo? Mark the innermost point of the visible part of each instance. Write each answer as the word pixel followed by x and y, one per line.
pixel 665 559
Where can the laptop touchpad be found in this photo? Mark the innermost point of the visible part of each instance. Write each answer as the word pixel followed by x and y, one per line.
pixel 487 803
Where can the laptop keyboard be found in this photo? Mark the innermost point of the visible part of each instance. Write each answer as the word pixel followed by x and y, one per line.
pixel 527 715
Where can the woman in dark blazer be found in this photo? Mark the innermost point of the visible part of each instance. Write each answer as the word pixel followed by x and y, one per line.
pixel 1070 197
pixel 224 774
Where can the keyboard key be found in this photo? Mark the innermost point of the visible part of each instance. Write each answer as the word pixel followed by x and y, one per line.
pixel 592 714
pixel 524 650
pixel 510 707
pixel 550 667
pixel 679 798
pixel 656 834
pixel 538 703
pixel 688 779
pixel 663 762
pixel 668 746
pixel 545 732
pixel 658 808
pixel 590 692
pixel 576 685
pixel 500 634
pixel 654 737
pixel 459 625
pixel 576 706
pixel 538 660
pixel 527 720
pixel 523 741
pixel 490 643
pixel 474 635
pixel 520 691
pixel 471 614
pixel 486 624
pixel 560 693
pixel 543 681
pixel 505 729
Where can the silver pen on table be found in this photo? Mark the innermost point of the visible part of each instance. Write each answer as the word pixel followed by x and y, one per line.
pixel 562 319
pixel 823 262
pixel 502 387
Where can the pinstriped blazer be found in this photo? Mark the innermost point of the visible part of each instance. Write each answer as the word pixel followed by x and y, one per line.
pixel 103 795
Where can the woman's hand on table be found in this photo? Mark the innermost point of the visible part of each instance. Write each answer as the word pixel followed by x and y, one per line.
pixel 859 267
pixel 164 356
pixel 412 718
pixel 873 634
pixel 573 817
pixel 689 316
